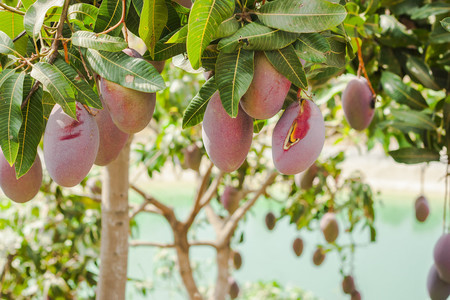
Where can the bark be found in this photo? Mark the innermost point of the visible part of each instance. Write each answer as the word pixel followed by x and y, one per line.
pixel 222 286
pixel 184 265
pixel 115 228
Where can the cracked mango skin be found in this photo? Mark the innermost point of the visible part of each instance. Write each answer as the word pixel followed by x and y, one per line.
pixel 298 138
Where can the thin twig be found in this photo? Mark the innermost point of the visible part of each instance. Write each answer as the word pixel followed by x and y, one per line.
pixel 11 9
pixel 150 199
pixel 136 243
pixel 122 19
pixel 361 66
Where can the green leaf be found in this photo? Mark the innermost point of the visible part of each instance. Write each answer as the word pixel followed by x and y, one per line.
pixel 130 72
pixel 11 93
pixel 227 28
pixel 301 15
pixel 196 108
pixel 165 51
pixel 258 125
pixel 6 44
pixel 255 36
pixel 84 92
pixel 414 155
pixel 402 93
pixel 47 104
pixel 5 74
pixel 287 63
pixel 209 58
pixel 179 37
pixel 204 20
pixel 446 23
pixel 312 47
pixel 420 71
pixel 336 57
pixel 416 119
pixel 234 73
pixel 30 132
pixel 83 14
pixel 154 17
pixel 12 24
pixel 98 42
pixel 35 15
pixel 431 9
pixel 109 14
pixel 58 86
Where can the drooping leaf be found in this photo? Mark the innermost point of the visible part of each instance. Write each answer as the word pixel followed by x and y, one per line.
pixel 83 91
pixel 416 119
pixel 74 57
pixel 336 57
pixel 12 24
pixel 5 74
pixel 154 17
pixel 179 37
pixel 312 47
pixel 287 63
pixel 209 58
pixel 301 15
pixel 130 72
pixel 431 9
pixel 30 132
pixel 83 14
pixel 35 15
pixel 402 93
pixel 58 86
pixel 165 51
pixel 98 42
pixel 234 73
pixel 446 23
pixel 227 28
pixel 6 44
pixel 11 93
pixel 132 20
pixel 421 72
pixel 109 14
pixel 256 36
pixel 204 20
pixel 196 108
pixel 414 155
pixel 47 104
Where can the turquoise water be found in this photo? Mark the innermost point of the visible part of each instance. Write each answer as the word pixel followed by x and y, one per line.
pixel 394 267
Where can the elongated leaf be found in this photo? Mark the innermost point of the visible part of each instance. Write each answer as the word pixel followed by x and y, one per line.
pixel 153 19
pixel 84 92
pixel 11 93
pixel 75 59
pixel 415 119
pixel 287 63
pixel 312 47
pixel 179 37
pixel 165 51
pixel 431 9
pixel 209 58
pixel 12 24
pixel 109 14
pixel 234 73
pixel 196 108
pixel 446 23
pixel 5 74
pixel 47 104
pixel 35 15
pixel 258 125
pixel 301 15
pixel 255 36
pixel 227 28
pixel 402 93
pixel 30 132
pixel 204 19
pixel 98 42
pixel 414 155
pixel 83 14
pixel 6 44
pixel 130 72
pixel 58 86
pixel 421 72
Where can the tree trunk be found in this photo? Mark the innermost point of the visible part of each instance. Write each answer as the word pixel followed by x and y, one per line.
pixel 222 286
pixel 115 228
pixel 182 247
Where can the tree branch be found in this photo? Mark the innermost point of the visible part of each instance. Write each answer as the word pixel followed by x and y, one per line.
pixel 166 211
pixel 137 243
pixel 213 218
pixel 233 220
pixel 143 208
pixel 11 9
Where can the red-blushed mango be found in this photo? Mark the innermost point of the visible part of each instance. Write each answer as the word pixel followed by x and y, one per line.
pixel 355 295
pixel 237 260
pixel 270 220
pixel 267 91
pixel 348 284
pixel 442 257
pixel 298 138
pixel 185 3
pixel 234 288
pixel 230 198
pixel 112 139
pixel 158 64
pixel 305 179
pixel 70 146
pixel 329 227
pixel 437 288
pixel 358 103
pixel 26 187
pixel 227 140
pixel 297 246
pixel 130 110
pixel 319 256
pixel 192 157
pixel 422 208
